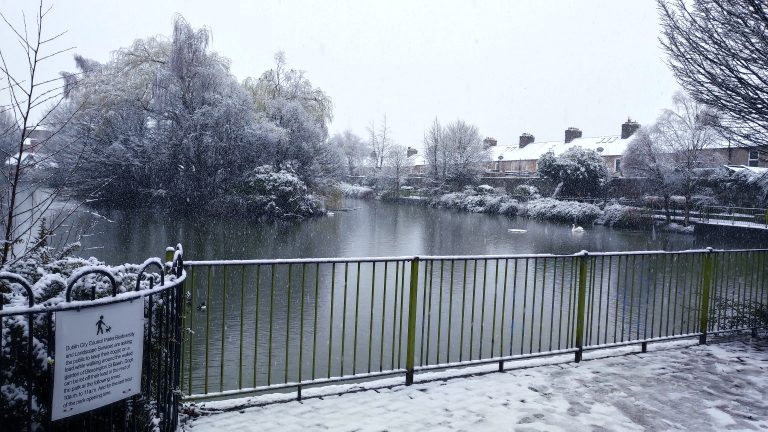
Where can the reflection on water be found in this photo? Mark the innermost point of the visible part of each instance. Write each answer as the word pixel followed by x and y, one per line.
pixel 372 229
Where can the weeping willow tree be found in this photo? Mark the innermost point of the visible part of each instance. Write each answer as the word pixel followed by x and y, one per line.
pixel 166 120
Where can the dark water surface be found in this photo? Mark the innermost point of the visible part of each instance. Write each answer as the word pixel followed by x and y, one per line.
pixel 373 228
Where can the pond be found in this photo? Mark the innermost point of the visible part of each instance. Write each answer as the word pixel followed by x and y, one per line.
pixel 371 228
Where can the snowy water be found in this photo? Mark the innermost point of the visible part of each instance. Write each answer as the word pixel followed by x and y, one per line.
pixel 372 229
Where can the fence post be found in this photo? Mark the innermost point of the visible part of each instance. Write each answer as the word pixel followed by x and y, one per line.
pixel 704 317
pixel 412 298
pixel 581 305
pixel 170 251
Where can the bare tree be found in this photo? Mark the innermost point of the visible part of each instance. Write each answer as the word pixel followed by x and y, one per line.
pixel 380 141
pixel 465 153
pixel 353 148
pixel 436 150
pixel 674 150
pixel 32 101
pixel 718 50
pixel 396 162
pixel 646 158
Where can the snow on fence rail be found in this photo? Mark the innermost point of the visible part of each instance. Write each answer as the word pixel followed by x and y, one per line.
pixel 262 325
pixel 28 351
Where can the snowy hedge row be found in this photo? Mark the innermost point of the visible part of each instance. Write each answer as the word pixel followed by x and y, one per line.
pixel 621 216
pixel 485 199
pixel 562 211
pixel 482 199
pixel 355 191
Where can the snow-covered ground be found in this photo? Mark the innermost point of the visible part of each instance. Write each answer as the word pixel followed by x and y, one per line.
pixel 675 386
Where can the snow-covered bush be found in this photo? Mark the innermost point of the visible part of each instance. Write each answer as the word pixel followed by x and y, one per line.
pixel 621 216
pixel 526 191
pixel 478 203
pixel 485 189
pixel 562 211
pixel 582 172
pixel 355 191
pixel 677 228
pixel 752 186
pixel 269 194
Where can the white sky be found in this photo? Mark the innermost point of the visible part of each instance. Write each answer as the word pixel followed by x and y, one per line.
pixel 508 67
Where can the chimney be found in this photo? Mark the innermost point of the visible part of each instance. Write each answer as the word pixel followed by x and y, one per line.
pixel 411 152
pixel 526 139
pixel 489 142
pixel 571 134
pixel 628 128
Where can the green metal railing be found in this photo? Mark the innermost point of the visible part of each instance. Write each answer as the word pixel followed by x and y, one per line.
pixel 274 324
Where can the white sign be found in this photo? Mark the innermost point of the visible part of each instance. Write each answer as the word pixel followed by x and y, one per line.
pixel 99 352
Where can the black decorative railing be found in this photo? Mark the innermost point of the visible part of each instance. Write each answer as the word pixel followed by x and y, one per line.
pixel 28 352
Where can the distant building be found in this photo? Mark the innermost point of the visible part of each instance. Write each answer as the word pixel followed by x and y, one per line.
pixel 416 163
pixel 32 143
pixel 522 159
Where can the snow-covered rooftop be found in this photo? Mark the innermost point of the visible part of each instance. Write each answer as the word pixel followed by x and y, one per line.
pixel 12 161
pixel 416 160
pixel 739 168
pixel 611 145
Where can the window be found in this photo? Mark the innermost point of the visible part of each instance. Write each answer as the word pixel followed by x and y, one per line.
pixel 617 165
pixel 754 158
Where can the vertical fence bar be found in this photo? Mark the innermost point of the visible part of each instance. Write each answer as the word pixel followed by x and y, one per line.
pixel 271 321
pixel 581 301
pixel 370 317
pixel 503 311
pixel 703 323
pixel 330 320
pixel 256 327
pixel 301 326
pixel 223 329
pixel 190 327
pixel 450 312
pixel 412 298
pixel 288 321
pixel 440 311
pixel 344 318
pixel 207 326
pixel 357 312
pixel 242 319
pixel 314 324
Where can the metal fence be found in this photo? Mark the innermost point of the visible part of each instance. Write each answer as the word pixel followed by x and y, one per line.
pixel 27 351
pixel 749 216
pixel 257 325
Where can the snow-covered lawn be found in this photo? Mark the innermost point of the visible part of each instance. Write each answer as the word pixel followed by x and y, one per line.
pixel 675 386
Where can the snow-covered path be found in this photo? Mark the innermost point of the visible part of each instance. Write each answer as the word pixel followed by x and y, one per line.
pixel 722 386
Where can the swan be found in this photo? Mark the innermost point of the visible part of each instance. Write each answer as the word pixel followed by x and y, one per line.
pixel 576 229
pixel 517 231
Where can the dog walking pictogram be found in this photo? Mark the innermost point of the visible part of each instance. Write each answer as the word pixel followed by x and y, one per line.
pixel 101 326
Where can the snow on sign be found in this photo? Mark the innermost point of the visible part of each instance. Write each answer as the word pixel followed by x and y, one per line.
pixel 98 357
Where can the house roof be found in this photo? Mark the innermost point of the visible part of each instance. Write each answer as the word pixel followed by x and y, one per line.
pixel 12 161
pixel 416 160
pixel 611 145
pixel 738 168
